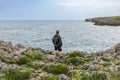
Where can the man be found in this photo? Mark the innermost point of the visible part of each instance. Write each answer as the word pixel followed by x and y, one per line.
pixel 56 40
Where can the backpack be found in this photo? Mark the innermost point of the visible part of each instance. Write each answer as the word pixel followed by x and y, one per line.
pixel 56 40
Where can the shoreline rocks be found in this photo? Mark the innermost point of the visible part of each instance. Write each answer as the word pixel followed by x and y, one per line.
pixel 42 64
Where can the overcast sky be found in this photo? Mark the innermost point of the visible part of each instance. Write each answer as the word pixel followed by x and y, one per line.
pixel 57 9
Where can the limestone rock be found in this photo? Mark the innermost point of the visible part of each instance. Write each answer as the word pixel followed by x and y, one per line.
pixel 4 69
pixel 13 67
pixel 63 77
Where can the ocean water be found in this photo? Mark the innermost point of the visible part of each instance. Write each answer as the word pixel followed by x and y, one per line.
pixel 76 34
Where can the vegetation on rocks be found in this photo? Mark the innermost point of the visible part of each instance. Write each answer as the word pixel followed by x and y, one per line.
pixel 111 21
pixel 105 59
pixel 55 77
pixel 38 64
pixel 76 54
pixel 56 68
pixel 34 55
pixel 19 74
pixel 24 60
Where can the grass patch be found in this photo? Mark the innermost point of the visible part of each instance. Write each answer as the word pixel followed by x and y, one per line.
pixel 19 74
pixel 117 63
pixel 105 64
pixel 7 59
pixel 34 55
pixel 105 59
pixel 24 60
pixel 80 75
pixel 75 61
pixel 94 76
pixel 36 65
pixel 49 52
pixel 75 54
pixel 54 77
pixel 56 68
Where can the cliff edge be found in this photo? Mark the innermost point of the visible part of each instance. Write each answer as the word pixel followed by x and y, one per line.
pixel 110 21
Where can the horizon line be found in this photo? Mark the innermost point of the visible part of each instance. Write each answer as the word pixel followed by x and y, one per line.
pixel 42 20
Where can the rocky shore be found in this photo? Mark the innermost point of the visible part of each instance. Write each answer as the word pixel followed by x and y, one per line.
pixel 110 21
pixel 26 63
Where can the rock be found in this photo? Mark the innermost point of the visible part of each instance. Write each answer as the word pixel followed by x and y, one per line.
pixel 13 67
pixel 42 75
pixel 1 65
pixel 19 46
pixel 63 77
pixel 103 74
pixel 100 61
pixel 6 46
pixel 16 58
pixel 0 61
pixel 118 57
pixel 94 67
pixel 70 66
pixel 99 53
pixel 95 62
pixel 85 66
pixel 31 79
pixel 117 48
pixel 118 68
pixel 4 69
pixel 39 71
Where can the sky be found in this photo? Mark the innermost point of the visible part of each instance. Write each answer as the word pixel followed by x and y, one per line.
pixel 57 9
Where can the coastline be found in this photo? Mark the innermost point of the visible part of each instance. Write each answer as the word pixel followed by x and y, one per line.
pixel 40 64
pixel 110 21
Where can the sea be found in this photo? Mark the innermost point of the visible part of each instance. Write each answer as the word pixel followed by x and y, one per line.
pixel 75 34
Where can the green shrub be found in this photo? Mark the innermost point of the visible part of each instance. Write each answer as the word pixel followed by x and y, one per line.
pixel 76 75
pixel 76 53
pixel 114 76
pixel 55 77
pixel 105 64
pixel 73 60
pixel 90 56
pixel 35 65
pixel 49 52
pixel 94 76
pixel 7 59
pixel 80 75
pixel 34 55
pixel 82 61
pixel 117 63
pixel 2 57
pixel 20 74
pixel 105 59
pixel 24 60
pixel 56 69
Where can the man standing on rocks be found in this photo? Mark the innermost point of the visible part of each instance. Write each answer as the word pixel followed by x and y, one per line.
pixel 56 40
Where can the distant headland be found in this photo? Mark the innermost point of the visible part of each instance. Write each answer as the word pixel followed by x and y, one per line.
pixel 110 21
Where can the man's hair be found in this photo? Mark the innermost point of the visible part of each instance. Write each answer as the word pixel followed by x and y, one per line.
pixel 57 32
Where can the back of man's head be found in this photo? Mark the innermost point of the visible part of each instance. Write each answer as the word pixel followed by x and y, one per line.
pixel 57 32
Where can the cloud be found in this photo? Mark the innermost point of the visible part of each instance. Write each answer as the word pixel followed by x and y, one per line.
pixel 68 4
pixel 96 3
